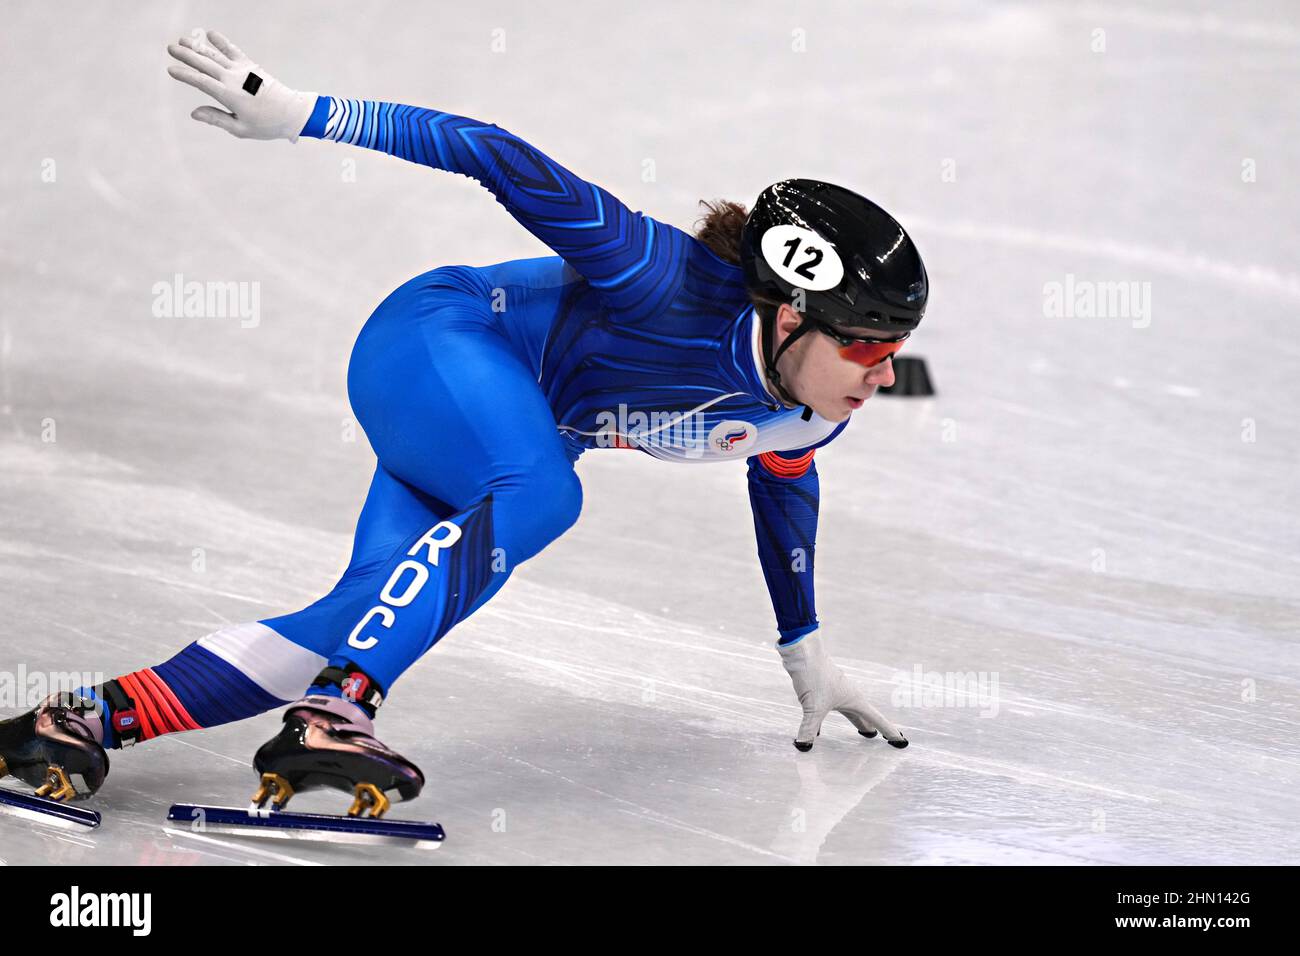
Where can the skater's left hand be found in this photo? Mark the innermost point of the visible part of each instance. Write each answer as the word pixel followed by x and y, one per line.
pixel 261 107
pixel 822 687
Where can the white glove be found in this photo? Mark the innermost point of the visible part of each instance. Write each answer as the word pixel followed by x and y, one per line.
pixel 261 107
pixel 822 687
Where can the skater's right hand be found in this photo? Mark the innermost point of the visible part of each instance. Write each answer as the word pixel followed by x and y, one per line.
pixel 822 687
pixel 261 107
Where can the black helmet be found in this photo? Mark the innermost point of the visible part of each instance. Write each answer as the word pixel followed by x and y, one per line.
pixel 856 266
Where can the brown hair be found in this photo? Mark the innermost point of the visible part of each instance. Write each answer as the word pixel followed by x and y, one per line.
pixel 719 229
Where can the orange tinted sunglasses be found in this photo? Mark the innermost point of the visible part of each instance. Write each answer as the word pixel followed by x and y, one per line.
pixel 868 352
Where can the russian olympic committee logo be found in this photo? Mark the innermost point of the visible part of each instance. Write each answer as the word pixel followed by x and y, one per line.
pixel 732 437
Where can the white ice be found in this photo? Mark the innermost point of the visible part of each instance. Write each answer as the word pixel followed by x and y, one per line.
pixel 1101 514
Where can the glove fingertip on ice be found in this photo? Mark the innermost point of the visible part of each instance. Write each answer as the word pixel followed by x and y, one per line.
pixel 803 746
pixel 867 733
pixel 900 743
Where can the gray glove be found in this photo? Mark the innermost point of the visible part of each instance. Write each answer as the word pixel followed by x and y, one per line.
pixel 822 687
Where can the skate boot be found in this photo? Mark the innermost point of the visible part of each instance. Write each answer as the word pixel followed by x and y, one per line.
pixel 329 742
pixel 56 748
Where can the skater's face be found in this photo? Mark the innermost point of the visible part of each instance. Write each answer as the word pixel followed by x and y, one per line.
pixel 816 371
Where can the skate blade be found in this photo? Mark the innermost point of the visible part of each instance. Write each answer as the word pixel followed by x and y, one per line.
pixel 26 806
pixel 319 827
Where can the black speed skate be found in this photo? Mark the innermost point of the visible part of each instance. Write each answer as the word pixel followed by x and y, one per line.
pixel 330 742
pixel 326 742
pixel 57 748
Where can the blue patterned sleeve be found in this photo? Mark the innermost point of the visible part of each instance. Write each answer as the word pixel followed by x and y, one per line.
pixel 619 252
pixel 784 495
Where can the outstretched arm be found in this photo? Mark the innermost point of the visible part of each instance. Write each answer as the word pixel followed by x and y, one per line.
pixel 592 230
pixel 784 495
pixel 618 251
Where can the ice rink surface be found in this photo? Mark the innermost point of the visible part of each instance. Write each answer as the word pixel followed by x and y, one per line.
pixel 1097 518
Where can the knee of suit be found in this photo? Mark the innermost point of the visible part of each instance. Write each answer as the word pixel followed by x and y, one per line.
pixel 567 499
pixel 531 511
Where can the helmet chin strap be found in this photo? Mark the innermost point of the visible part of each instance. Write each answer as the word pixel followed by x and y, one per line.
pixel 770 360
